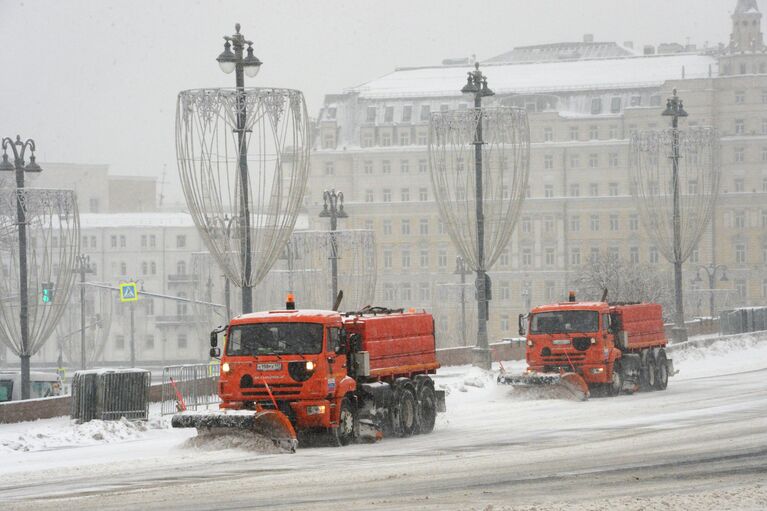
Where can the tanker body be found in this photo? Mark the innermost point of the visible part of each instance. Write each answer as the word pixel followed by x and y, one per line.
pixel 292 372
pixel 587 346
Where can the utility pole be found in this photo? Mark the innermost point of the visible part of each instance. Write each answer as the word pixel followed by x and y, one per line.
pixel 83 266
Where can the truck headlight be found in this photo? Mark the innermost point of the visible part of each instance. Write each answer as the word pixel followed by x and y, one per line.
pixel 593 341
pixel 309 365
pixel 597 370
pixel 225 367
pixel 315 410
pixel 530 343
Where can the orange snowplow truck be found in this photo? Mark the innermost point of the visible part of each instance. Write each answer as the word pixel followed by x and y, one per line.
pixel 600 346
pixel 343 375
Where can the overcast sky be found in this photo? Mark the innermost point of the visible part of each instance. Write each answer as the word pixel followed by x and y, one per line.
pixel 95 81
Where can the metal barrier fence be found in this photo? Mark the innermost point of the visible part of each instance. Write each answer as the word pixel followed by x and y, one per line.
pixel 195 384
pixel 110 394
pixel 743 320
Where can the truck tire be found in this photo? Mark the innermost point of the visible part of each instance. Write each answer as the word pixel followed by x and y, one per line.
pixel 616 383
pixel 403 411
pixel 661 375
pixel 343 434
pixel 426 409
pixel 647 371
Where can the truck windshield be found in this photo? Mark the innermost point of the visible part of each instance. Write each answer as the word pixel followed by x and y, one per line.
pixel 274 338
pixel 560 322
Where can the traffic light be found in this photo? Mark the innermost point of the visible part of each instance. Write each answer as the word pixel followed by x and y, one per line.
pixel 47 292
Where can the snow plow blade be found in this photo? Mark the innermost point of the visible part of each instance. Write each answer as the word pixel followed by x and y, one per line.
pixel 546 385
pixel 271 424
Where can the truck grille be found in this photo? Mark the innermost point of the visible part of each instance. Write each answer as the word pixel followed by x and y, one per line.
pixel 279 390
pixel 564 358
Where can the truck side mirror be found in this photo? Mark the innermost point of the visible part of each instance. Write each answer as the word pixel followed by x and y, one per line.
pixel 355 342
pixel 213 339
pixel 522 330
pixel 215 352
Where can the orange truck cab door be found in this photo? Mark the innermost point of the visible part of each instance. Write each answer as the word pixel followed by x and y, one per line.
pixel 336 357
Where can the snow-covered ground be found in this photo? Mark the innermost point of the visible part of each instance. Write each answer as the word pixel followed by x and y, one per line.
pixel 698 445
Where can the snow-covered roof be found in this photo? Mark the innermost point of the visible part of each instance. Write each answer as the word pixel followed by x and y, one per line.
pixel 157 219
pixel 596 74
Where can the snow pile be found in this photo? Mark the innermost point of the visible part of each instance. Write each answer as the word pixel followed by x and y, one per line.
pixel 232 439
pixel 69 433
pixel 732 354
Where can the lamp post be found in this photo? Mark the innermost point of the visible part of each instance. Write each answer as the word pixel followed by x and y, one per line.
pixel 711 271
pixel 462 269
pixel 234 61
pixel 82 266
pixel 19 149
pixel 675 110
pixel 132 322
pixel 333 208
pixel 476 84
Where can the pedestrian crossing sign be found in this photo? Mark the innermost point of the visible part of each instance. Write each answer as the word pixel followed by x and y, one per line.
pixel 128 292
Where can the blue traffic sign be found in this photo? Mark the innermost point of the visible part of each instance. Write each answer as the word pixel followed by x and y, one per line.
pixel 128 292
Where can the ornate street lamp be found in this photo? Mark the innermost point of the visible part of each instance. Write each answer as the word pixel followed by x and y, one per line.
pixel 711 271
pixel 481 207
pixel 243 153
pixel 333 208
pixel 83 266
pixel 38 265
pixel 675 216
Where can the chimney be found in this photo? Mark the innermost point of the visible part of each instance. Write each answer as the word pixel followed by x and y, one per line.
pixel 588 38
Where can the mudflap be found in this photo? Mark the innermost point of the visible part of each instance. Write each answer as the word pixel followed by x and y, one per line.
pixel 548 385
pixel 440 397
pixel 271 424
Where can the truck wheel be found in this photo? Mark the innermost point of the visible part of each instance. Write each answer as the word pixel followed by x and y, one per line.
pixel 616 383
pixel 403 412
pixel 426 411
pixel 661 374
pixel 647 372
pixel 343 434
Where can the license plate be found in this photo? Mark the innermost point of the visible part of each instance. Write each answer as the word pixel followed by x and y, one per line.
pixel 560 342
pixel 269 367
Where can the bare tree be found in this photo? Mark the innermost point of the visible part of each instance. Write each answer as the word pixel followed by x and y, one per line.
pixel 625 282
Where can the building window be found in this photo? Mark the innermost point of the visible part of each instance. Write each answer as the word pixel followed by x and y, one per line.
pixel 442 258
pixel 613 189
pixel 740 154
pixel 594 223
pixel 368 195
pixel 740 219
pixel 548 224
pixel 329 168
pixel 152 241
pixel 573 132
pixel 634 255
pixel 389 114
pixel 596 106
pixel 504 257
pixel 548 161
pixel 594 189
pixel 388 292
pixel 575 190
pixel 424 256
pixel 740 289
pixel 613 253
pixel 405 227
pixel 695 255
pixel 740 253
pixel 123 269
pixel 93 204
pixel 740 97
pixel 653 255
pixel 153 268
pixel 615 105
pixel 593 132
pixel 181 241
pixel 575 223
pixel 550 256
pixel 144 267
pixel 636 100
pixel 422 166
pixel 613 130
pixel 369 224
pixel 505 324
pixel 367 167
pixel 634 222
pixel 594 255
pixel 143 241
pixel 575 161
pixel 367 139
pixel 764 218
pixel 740 185
pixel 328 140
pixel 404 195
pixel 527 257
pixel 548 134
pixel 593 160
pixel 740 127
pixel 527 224
pixel 122 242
pixel 423 194
pixel 548 190
pixel 181 341
pixel 575 256
pixel 387 259
pixel 423 227
pixel 387 195
pixel 371 114
pixel 385 139
pixel 614 223
pixel 424 292
pixel 407 113
pixel 425 112
pixel 405 259
pixel 386 227
pixel 404 138
pixel 613 160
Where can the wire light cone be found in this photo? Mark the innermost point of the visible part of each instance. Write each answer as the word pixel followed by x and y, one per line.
pixel 98 301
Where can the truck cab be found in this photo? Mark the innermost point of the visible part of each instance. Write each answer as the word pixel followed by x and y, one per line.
pixel 289 360
pixel 571 337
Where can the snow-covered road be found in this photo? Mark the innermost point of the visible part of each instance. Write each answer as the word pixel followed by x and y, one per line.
pixel 701 444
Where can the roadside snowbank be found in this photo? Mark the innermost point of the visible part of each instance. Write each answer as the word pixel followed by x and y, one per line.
pixel 746 352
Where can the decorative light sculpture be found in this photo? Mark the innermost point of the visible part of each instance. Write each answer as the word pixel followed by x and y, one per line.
pixel 98 323
pixel 479 165
pixel 243 157
pixel 675 182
